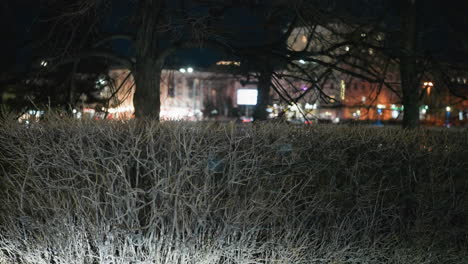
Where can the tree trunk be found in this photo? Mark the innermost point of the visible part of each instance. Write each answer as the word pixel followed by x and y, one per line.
pixel 408 68
pixel 148 68
pixel 263 99
pixel 146 99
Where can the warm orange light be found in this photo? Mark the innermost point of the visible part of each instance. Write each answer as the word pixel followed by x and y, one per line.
pixel 235 63
pixel 428 86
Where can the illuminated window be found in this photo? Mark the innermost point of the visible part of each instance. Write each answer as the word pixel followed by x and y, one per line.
pixel 342 90
pixel 226 63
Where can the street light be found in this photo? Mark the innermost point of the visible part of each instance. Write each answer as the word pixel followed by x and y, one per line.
pixel 428 86
pixel 448 109
pixel 189 69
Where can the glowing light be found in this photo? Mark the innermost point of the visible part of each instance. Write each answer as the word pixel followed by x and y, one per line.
pixel 347 48
pixel 381 106
pixel 189 69
pixel 395 114
pixel 182 70
pixel 44 63
pixel 102 81
pixel 74 111
pixel 342 90
pixel 121 109
pixel 302 61
pixel 176 113
pixel 247 96
pixel 448 109
pixel 226 63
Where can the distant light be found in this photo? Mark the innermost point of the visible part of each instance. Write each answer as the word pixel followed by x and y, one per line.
pixel 226 63
pixel 304 87
pixel 74 111
pixel 363 35
pixel 381 106
pixel 395 114
pixel 426 107
pixel 247 96
pixel 182 70
pixel 424 111
pixel 189 69
pixel 44 63
pixel 448 109
pixel 347 48
pixel 460 115
pixel 302 61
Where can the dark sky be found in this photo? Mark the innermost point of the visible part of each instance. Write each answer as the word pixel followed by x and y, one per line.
pixel 444 24
pixel 16 19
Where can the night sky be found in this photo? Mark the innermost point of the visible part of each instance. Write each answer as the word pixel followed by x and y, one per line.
pixel 23 22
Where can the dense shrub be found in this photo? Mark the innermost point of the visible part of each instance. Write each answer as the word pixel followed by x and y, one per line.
pixel 142 192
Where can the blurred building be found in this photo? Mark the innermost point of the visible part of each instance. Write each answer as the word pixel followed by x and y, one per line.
pixel 186 94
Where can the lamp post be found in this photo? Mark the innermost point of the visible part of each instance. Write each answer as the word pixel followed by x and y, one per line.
pixel 448 109
pixel 380 108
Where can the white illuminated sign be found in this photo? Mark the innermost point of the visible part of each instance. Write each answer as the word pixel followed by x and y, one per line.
pixel 247 96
